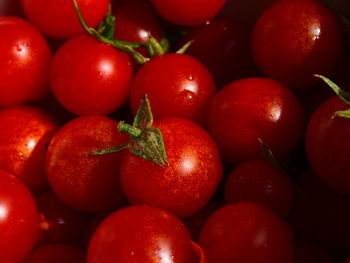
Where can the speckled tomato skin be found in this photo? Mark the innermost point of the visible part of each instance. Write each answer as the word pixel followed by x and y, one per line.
pixel 252 108
pixel 292 40
pixel 246 233
pixel 177 86
pixel 82 181
pixel 328 146
pixel 19 224
pixel 189 180
pixel 25 133
pixel 141 234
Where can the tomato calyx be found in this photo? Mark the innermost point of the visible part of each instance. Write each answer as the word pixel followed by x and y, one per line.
pixel 146 141
pixel 343 95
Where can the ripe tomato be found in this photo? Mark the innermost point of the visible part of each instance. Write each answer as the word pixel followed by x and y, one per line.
pixel 24 62
pixel 248 109
pixel 82 181
pixel 19 224
pixel 292 40
pixel 246 233
pixel 58 18
pixel 190 178
pixel 90 77
pixel 177 86
pixel 25 133
pixel 141 234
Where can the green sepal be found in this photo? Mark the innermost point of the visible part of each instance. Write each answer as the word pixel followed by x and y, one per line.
pixel 343 113
pixel 343 95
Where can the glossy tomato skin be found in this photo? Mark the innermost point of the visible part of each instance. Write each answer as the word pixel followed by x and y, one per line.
pixel 19 224
pixel 24 62
pixel 260 182
pixel 25 133
pixel 292 40
pixel 89 77
pixel 58 18
pixel 177 86
pixel 141 234
pixel 188 13
pixel 189 180
pixel 246 233
pixel 56 253
pixel 252 108
pixel 82 181
pixel 327 145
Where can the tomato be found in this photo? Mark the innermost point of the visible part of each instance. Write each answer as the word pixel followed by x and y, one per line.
pixel 250 109
pixel 25 133
pixel 246 233
pixel 189 179
pixel 24 61
pixel 188 13
pixel 58 18
pixel 82 181
pixel 259 181
pixel 141 234
pixel 56 253
pixel 292 40
pixel 90 77
pixel 177 86
pixel 19 224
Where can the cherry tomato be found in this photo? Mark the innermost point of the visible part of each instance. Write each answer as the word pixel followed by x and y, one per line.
pixel 19 224
pixel 250 109
pixel 189 180
pixel 90 77
pixel 259 181
pixel 58 18
pixel 56 253
pixel 246 233
pixel 177 86
pixel 188 13
pixel 83 181
pixel 24 62
pixel 25 133
pixel 141 234
pixel 292 40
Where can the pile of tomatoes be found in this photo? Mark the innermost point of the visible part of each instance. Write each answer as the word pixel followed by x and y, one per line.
pixel 174 131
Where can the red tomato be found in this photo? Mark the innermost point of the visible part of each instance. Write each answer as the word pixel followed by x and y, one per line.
pixel 246 233
pixel 141 234
pixel 19 224
pixel 189 180
pixel 90 77
pixel 58 18
pixel 188 12
pixel 253 108
pixel 177 86
pixel 25 133
pixel 294 39
pixel 24 61
pixel 56 253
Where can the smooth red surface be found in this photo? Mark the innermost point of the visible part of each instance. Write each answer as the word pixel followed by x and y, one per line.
pixel 260 182
pixel 188 12
pixel 24 62
pixel 327 145
pixel 246 233
pixel 252 108
pixel 177 86
pixel 82 181
pixel 141 234
pixel 189 180
pixel 19 225
pixel 25 133
pixel 58 18
pixel 294 39
pixel 90 77
pixel 56 253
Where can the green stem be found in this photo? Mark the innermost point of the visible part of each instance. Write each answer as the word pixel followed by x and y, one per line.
pixel 113 149
pixel 134 132
pixel 184 48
